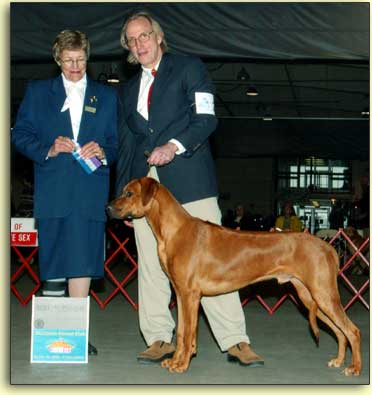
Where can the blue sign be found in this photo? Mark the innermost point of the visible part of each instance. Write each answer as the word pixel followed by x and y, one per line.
pixel 60 328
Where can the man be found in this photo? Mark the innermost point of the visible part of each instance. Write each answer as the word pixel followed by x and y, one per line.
pixel 166 116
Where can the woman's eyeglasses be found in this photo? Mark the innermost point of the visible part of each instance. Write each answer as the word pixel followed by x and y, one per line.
pixel 71 62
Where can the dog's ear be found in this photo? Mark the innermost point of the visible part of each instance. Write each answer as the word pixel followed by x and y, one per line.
pixel 148 188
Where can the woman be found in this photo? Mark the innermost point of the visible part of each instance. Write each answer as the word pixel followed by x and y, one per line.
pixel 69 203
pixel 288 220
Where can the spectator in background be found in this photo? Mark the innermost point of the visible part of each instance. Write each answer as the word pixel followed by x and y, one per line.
pixel 336 216
pixel 243 219
pixel 239 216
pixel 288 220
pixel 269 222
pixel 228 219
pixel 360 212
pixel 238 219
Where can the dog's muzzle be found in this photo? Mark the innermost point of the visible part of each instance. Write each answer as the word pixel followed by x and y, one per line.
pixel 112 212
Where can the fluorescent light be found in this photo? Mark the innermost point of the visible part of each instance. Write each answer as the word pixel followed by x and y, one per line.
pixel 252 91
pixel 113 79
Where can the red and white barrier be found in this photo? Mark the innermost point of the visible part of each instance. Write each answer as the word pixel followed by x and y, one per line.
pixel 118 254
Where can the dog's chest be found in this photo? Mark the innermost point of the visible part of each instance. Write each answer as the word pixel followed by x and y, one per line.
pixel 163 256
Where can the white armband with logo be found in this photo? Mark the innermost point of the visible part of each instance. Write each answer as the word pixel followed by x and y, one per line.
pixel 204 103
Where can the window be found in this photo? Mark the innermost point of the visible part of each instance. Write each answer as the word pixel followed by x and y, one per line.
pixel 314 174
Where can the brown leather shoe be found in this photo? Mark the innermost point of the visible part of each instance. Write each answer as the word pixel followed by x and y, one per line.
pixel 244 355
pixel 156 352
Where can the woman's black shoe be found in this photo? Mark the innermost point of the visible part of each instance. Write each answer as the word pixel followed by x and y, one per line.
pixel 91 349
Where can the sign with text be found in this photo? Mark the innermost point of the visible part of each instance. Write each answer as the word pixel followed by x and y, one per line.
pixel 59 330
pixel 23 232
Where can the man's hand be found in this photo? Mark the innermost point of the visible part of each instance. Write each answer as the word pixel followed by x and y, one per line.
pixel 128 223
pixel 162 155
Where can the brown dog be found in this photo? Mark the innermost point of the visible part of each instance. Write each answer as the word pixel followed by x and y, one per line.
pixel 204 259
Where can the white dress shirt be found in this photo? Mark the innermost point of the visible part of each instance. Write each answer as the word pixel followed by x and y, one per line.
pixel 146 81
pixel 75 92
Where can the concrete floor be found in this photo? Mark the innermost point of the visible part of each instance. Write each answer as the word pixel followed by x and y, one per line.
pixel 283 339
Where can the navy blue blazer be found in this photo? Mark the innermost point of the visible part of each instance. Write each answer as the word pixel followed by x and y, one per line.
pixel 60 183
pixel 190 176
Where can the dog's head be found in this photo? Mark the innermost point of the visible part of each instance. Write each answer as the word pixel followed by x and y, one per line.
pixel 135 200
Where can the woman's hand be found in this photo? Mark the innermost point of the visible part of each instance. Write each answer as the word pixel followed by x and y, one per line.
pixel 91 149
pixel 61 144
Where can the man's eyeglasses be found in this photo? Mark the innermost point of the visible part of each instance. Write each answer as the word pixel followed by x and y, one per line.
pixel 142 38
pixel 71 62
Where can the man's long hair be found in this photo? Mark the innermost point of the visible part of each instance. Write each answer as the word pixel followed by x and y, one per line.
pixel 155 26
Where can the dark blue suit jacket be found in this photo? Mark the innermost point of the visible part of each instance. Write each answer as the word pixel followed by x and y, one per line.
pixel 60 184
pixel 190 176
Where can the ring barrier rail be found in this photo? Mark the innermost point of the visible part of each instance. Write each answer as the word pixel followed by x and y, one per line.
pixel 23 239
pixel 347 261
pixel 119 255
pixel 119 284
pixel 24 269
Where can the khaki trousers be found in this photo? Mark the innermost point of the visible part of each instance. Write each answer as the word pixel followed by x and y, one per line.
pixel 224 312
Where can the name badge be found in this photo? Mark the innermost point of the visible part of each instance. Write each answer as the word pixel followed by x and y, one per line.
pixel 90 109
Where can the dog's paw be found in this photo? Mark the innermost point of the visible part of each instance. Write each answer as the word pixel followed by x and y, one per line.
pixel 166 363
pixel 178 368
pixel 351 371
pixel 174 366
pixel 335 363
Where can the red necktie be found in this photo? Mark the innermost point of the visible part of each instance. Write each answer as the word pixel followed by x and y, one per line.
pixel 153 72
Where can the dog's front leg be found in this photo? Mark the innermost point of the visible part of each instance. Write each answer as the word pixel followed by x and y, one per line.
pixel 188 305
pixel 169 362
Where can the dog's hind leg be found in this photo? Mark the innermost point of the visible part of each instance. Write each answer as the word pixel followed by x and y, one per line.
pixel 328 300
pixel 308 301
pixel 306 298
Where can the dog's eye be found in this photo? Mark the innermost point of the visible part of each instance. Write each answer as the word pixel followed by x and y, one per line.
pixel 128 194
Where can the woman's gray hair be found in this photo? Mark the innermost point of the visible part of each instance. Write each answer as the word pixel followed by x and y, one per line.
pixel 71 40
pixel 155 26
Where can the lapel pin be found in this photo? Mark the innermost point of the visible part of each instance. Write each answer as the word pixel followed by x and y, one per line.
pixel 92 99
